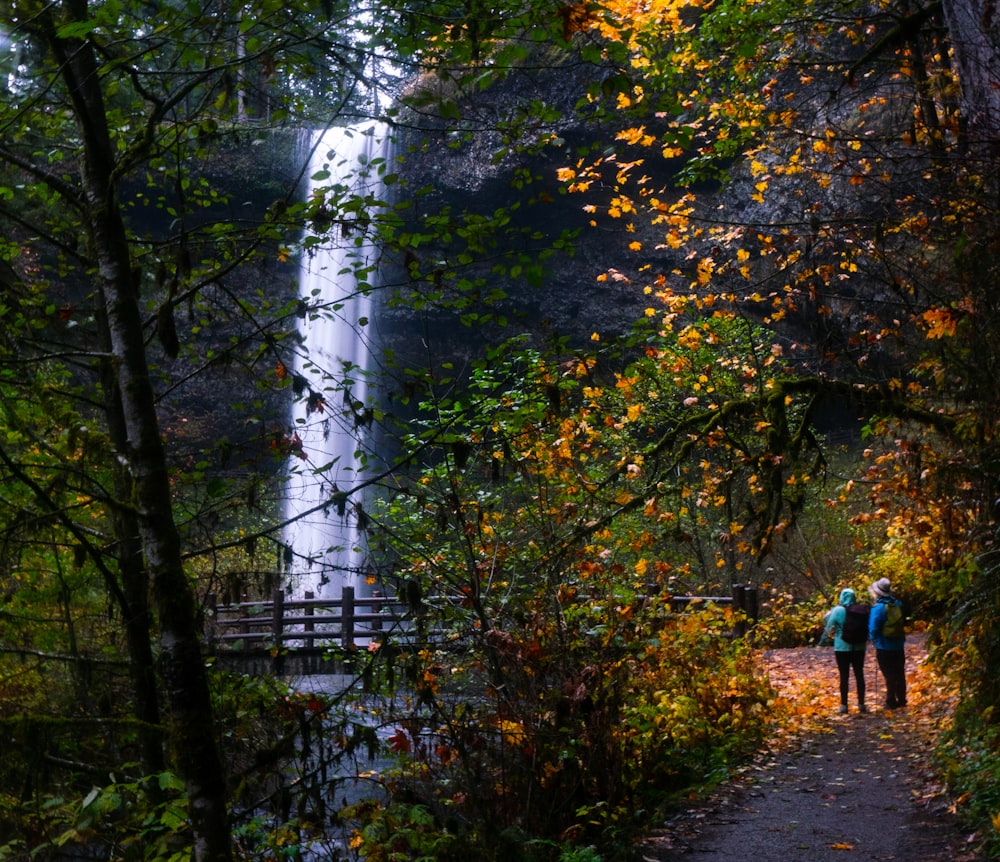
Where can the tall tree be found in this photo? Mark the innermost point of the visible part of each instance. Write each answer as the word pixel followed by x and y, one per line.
pixel 132 398
pixel 100 99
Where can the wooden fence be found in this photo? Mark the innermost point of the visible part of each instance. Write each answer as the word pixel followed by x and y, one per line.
pixel 743 599
pixel 313 627
pixel 284 623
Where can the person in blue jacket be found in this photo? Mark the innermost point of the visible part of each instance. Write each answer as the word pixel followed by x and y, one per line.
pixel 848 655
pixel 889 651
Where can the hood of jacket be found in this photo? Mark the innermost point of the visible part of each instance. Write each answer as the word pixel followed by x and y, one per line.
pixel 847 597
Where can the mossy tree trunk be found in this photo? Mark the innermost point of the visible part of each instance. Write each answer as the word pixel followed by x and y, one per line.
pixel 194 748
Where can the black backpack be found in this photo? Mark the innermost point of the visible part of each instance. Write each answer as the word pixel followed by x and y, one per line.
pixel 855 627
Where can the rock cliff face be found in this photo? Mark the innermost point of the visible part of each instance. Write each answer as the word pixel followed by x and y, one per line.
pixel 587 280
pixel 593 283
pixel 539 261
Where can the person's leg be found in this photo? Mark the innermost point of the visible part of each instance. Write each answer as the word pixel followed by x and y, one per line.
pixel 884 658
pixel 899 677
pixel 858 663
pixel 844 667
pixel 893 666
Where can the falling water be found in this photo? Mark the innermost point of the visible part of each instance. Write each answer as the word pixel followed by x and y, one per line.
pixel 332 414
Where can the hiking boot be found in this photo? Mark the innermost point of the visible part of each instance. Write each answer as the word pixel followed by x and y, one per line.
pixel 862 708
pixel 843 709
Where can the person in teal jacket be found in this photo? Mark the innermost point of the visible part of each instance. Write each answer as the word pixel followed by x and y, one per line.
pixel 889 651
pixel 848 655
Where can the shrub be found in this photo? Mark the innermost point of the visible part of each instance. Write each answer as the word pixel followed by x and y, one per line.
pixel 786 623
pixel 593 724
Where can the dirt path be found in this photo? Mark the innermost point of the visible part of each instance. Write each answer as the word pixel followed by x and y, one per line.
pixel 832 788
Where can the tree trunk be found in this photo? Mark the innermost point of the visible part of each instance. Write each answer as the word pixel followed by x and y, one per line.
pixel 194 748
pixel 134 577
pixel 974 28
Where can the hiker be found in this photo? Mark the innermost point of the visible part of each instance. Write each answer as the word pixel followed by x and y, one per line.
pixel 848 624
pixel 885 628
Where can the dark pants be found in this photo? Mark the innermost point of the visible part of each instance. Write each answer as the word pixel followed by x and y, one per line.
pixel 847 659
pixel 892 663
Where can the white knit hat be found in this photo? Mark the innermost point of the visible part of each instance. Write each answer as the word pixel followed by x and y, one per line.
pixel 881 589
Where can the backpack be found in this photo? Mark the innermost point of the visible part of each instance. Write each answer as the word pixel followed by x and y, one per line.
pixel 855 627
pixel 895 624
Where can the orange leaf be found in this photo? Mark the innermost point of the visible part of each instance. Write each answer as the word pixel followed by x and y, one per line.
pixel 399 742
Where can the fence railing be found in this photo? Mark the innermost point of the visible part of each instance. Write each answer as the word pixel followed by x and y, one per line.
pixel 743 599
pixel 350 621
pixel 306 623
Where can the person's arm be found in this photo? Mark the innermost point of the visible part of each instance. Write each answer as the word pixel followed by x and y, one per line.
pixel 876 619
pixel 834 623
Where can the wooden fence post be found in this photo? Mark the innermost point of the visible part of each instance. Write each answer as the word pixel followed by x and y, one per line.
pixel 277 628
pixel 347 618
pixel 244 626
pixel 377 608
pixel 309 625
pixel 739 609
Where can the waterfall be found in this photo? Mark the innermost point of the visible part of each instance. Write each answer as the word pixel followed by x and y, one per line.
pixel 332 413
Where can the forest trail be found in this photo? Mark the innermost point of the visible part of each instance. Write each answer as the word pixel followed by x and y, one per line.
pixel 828 787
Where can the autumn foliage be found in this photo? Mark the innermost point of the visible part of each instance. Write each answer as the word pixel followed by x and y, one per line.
pixel 803 194
pixel 846 270
pixel 584 722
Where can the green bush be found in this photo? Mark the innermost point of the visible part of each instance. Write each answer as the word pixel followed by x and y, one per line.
pixel 969 758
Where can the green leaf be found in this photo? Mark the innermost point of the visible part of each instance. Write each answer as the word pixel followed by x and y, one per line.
pixel 169 781
pixel 216 487
pixel 89 799
pixel 76 29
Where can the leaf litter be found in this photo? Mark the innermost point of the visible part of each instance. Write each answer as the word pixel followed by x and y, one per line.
pixel 826 786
